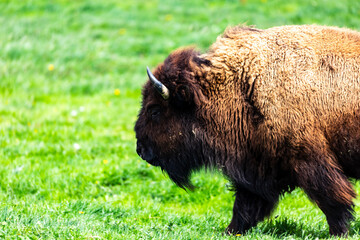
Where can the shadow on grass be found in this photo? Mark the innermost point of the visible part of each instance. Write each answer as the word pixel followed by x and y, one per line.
pixel 284 227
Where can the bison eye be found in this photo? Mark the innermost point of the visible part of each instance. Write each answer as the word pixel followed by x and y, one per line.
pixel 154 111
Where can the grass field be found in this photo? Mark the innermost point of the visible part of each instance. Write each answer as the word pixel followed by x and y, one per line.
pixel 70 81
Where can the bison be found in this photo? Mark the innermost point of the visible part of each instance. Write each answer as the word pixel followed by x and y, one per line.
pixel 271 109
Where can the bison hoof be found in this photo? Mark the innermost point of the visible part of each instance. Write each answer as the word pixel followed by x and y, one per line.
pixel 230 230
pixel 338 232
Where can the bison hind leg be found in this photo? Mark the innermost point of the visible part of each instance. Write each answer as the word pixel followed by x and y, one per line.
pixel 344 141
pixel 316 172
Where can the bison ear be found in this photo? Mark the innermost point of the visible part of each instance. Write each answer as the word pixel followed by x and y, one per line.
pixel 184 97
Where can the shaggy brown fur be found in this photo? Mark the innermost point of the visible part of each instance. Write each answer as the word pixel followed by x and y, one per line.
pixel 272 109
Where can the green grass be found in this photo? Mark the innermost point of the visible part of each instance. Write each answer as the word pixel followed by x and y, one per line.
pixel 49 189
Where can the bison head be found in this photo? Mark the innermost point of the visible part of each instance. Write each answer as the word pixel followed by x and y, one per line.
pixel 165 127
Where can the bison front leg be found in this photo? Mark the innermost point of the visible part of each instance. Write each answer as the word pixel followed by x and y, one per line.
pixel 248 210
pixel 325 183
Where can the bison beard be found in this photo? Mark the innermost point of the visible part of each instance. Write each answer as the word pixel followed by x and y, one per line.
pixel 180 169
pixel 272 109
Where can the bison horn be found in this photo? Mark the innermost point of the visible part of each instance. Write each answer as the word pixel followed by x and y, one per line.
pixel 158 85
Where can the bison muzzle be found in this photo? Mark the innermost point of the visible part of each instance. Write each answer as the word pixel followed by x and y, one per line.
pixel 272 109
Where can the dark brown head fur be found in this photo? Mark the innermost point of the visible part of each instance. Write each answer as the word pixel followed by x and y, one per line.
pixel 165 127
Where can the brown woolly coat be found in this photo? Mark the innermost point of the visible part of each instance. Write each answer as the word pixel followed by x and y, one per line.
pixel 304 81
pixel 296 76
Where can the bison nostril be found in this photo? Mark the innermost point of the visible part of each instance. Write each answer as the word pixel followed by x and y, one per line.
pixel 145 153
pixel 139 149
